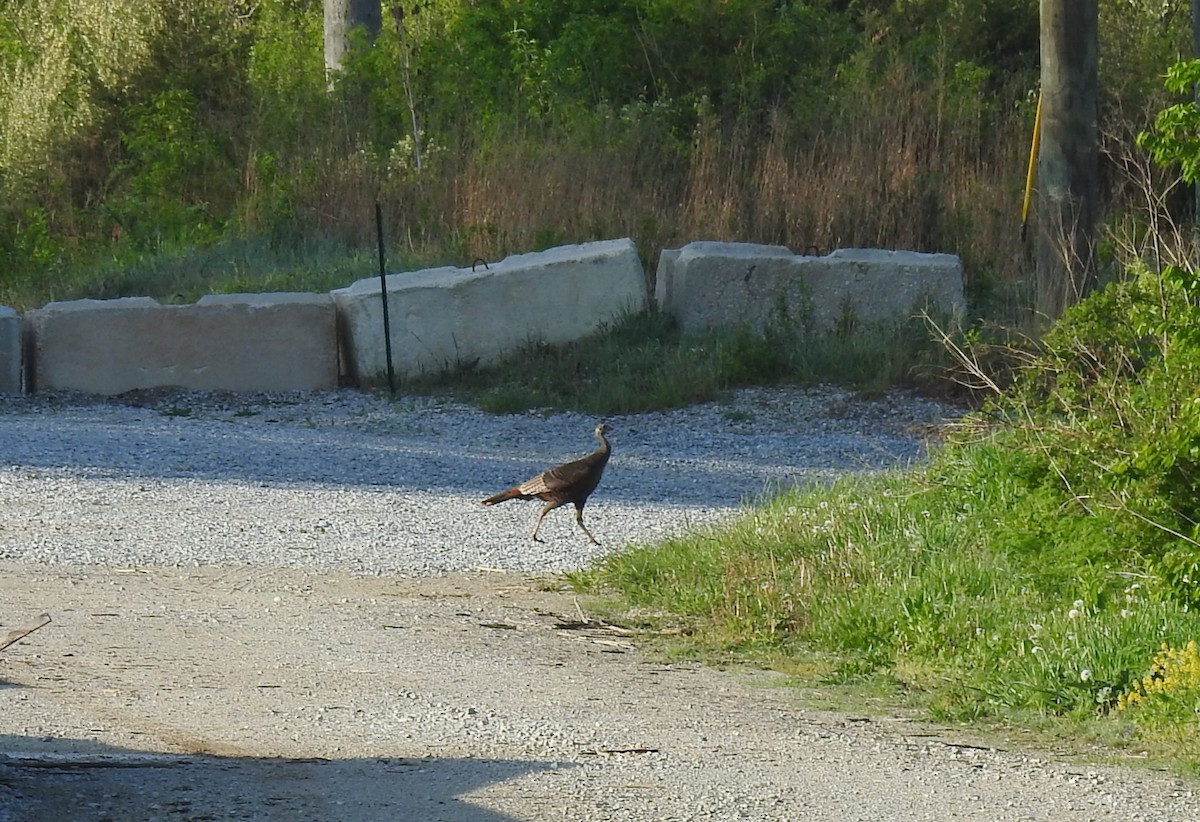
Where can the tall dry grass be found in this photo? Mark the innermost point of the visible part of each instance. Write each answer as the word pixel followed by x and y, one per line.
pixel 902 170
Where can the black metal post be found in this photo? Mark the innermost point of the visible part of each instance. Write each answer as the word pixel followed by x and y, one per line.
pixel 383 295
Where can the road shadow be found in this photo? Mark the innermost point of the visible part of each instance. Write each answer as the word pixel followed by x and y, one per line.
pixel 94 782
pixel 710 469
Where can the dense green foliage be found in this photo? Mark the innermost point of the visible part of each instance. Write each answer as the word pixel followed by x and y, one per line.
pixel 137 128
pixel 1110 427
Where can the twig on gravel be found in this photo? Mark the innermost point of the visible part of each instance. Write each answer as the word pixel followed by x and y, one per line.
pixel 18 634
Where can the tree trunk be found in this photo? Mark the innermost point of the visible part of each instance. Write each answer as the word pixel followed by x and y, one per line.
pixel 1196 100
pixel 1068 165
pixel 342 17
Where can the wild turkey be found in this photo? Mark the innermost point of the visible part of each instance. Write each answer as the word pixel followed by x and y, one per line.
pixel 571 482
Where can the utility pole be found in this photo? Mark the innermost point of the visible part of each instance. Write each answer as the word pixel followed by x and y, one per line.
pixel 1196 99
pixel 341 18
pixel 1068 165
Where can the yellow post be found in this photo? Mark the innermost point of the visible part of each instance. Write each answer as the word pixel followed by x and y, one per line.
pixel 1031 173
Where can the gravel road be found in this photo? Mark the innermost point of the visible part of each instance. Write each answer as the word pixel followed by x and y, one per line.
pixel 355 483
pixel 294 608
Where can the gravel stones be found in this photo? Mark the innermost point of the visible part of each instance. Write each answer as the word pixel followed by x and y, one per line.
pixel 356 482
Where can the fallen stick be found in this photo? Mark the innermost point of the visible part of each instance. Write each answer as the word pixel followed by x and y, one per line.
pixel 25 630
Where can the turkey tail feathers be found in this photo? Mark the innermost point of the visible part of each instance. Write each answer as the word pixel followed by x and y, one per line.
pixel 511 493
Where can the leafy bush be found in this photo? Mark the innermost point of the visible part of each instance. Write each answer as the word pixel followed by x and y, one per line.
pixel 169 171
pixel 1104 428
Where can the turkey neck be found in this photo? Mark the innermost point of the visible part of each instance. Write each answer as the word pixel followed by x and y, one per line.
pixel 605 448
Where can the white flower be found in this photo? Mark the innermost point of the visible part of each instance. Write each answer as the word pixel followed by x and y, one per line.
pixel 1078 603
pixel 1073 613
pixel 1085 675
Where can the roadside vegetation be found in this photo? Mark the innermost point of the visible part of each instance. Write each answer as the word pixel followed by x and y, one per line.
pixel 642 362
pixel 1041 571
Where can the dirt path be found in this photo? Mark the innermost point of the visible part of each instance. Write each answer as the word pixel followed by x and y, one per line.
pixel 222 694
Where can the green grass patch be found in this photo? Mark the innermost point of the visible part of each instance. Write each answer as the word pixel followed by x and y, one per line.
pixel 891 584
pixel 643 362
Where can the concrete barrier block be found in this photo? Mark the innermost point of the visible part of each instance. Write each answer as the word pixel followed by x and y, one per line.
pixel 10 351
pixel 868 285
pixel 723 285
pixel 446 317
pixel 231 342
pixel 708 285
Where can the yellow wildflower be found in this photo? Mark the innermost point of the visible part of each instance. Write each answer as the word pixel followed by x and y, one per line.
pixel 1175 671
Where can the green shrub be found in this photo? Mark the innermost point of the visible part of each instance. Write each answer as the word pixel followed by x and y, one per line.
pixel 1106 422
